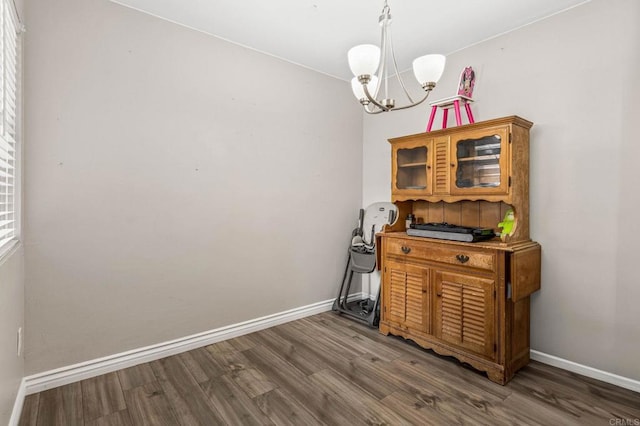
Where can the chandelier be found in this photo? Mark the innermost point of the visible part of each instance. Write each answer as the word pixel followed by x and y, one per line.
pixel 369 65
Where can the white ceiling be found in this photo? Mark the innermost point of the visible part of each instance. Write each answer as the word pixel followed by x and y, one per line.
pixel 318 33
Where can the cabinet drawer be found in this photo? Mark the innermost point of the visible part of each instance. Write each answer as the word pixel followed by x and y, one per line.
pixel 434 252
pixel 406 248
pixel 462 256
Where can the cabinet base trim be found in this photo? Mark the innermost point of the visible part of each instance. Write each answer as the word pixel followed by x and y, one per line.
pixel 585 370
pixel 495 372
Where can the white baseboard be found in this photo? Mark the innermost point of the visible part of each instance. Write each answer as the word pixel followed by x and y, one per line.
pixel 594 373
pixel 96 367
pixel 17 405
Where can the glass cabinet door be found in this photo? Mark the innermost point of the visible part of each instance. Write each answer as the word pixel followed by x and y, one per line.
pixel 480 163
pixel 412 169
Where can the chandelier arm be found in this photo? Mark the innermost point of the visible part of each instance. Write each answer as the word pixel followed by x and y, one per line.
pixel 371 109
pixel 395 67
pixel 372 112
pixel 372 100
pixel 416 103
pixel 365 107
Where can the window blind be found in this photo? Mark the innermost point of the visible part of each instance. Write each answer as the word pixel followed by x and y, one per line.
pixel 8 121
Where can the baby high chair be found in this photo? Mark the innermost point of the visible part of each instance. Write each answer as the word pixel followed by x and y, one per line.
pixel 362 260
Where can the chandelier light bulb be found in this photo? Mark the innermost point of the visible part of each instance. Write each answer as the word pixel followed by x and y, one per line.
pixel 364 59
pixel 429 68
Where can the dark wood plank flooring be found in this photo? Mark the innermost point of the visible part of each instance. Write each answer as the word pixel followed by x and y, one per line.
pixel 327 370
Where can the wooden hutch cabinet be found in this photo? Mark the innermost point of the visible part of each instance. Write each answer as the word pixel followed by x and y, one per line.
pixel 467 300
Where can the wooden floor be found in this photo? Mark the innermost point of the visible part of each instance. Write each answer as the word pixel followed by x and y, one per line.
pixel 327 369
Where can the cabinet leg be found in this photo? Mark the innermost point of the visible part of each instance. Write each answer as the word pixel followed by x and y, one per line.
pixel 497 377
pixel 383 329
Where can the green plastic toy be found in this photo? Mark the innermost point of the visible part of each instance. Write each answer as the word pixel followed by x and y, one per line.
pixel 508 224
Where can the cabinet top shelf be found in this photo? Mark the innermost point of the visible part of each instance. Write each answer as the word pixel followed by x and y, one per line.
pixel 513 119
pixel 481 158
pixel 418 164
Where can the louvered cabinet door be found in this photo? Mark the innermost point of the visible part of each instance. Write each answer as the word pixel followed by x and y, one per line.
pixel 465 312
pixel 406 296
pixel 417 298
pixel 441 165
pixel 394 292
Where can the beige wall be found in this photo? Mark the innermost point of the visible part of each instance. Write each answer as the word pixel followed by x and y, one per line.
pixel 626 282
pixel 175 182
pixel 571 75
pixel 11 317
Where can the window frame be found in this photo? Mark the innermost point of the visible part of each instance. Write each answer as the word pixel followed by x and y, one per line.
pixel 10 126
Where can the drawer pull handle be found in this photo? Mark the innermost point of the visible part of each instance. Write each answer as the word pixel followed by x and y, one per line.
pixel 462 258
pixel 406 250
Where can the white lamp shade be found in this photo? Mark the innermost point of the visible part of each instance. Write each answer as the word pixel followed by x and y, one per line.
pixel 429 68
pixel 364 59
pixel 358 90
